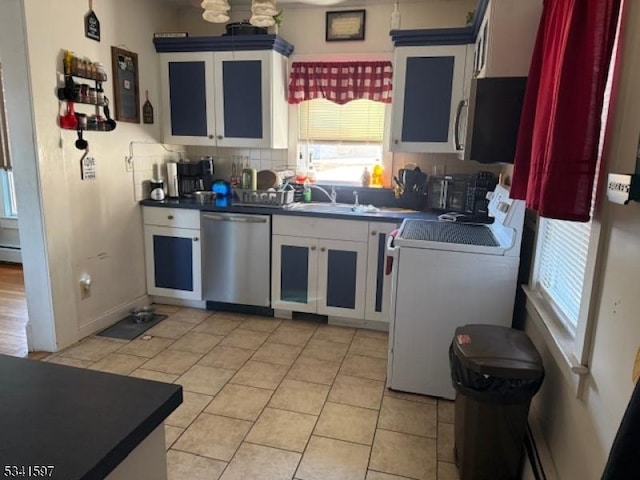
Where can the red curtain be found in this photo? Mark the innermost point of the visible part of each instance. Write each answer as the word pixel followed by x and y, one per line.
pixel 340 82
pixel 557 149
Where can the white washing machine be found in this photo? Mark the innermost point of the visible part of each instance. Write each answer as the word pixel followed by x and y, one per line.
pixel 445 275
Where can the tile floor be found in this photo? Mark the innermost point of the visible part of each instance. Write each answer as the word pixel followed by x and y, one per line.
pixel 279 399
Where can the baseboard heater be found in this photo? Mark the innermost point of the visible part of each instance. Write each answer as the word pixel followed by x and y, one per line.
pixel 533 456
pixel 10 254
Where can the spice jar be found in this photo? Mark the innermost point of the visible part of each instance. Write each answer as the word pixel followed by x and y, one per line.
pixel 101 74
pixel 84 93
pixel 99 95
pixel 82 121
pixel 92 123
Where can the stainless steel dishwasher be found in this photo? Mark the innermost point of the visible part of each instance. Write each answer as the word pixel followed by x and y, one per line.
pixel 236 258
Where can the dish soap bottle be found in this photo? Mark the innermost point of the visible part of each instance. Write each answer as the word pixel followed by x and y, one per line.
pixel 366 177
pixel 306 193
pixel 376 174
pixel 395 17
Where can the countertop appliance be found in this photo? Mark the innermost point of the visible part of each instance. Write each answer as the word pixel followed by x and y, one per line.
pixel 446 275
pixel 156 189
pixel 489 132
pixel 236 253
pixel 476 204
pixel 195 176
pixel 448 192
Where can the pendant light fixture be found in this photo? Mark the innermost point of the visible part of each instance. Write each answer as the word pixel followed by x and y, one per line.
pixel 216 11
pixel 262 12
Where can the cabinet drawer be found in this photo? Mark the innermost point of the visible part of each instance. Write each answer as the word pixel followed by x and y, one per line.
pixel 171 217
pixel 312 227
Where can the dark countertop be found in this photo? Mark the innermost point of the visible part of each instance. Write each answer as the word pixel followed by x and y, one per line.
pixel 82 422
pixel 383 216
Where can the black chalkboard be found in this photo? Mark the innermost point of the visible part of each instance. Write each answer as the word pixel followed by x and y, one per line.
pixel 124 65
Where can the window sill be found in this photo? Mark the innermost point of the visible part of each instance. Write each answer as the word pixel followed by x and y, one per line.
pixel 9 222
pixel 557 339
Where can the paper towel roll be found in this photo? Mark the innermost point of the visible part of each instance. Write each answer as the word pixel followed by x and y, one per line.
pixel 172 179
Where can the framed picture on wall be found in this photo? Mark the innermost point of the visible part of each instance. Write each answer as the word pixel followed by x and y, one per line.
pixel 126 90
pixel 345 25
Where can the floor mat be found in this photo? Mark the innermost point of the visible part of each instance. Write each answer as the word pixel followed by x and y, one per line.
pixel 128 329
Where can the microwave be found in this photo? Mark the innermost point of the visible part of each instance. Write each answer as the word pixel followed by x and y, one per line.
pixel 487 123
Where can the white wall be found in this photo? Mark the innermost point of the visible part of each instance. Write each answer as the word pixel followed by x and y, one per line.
pixel 580 431
pixel 94 226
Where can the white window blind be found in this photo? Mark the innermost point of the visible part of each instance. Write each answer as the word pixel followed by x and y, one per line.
pixel 562 261
pixel 357 121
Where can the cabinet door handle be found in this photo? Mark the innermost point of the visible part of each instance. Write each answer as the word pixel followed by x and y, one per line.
pixel 170 217
pixel 323 249
pixel 396 142
pixel 195 239
pixel 374 233
pixel 461 105
pixel 220 137
pixel 210 137
pixel 313 249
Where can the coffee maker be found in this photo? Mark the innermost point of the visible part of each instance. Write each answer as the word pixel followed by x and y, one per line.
pixel 476 204
pixel 195 176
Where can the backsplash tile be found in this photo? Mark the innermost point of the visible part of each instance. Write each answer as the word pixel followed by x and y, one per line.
pixel 147 167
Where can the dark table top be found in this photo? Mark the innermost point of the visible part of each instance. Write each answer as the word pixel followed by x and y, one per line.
pixel 81 422
pixel 382 216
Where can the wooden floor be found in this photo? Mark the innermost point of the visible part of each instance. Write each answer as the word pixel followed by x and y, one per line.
pixel 13 311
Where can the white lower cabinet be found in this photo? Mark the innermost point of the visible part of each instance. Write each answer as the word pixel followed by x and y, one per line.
pixel 173 252
pixel 342 278
pixel 319 276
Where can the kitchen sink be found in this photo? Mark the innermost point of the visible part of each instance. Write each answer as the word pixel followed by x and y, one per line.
pixel 326 207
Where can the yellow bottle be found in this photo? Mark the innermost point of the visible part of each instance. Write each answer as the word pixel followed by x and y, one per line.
pixel 376 174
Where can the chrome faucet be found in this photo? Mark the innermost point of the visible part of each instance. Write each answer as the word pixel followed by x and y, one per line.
pixel 331 196
pixel 356 203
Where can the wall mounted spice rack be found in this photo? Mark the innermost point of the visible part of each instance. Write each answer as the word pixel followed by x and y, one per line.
pixel 82 93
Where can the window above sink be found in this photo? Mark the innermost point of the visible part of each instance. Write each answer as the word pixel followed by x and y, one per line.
pixel 341 140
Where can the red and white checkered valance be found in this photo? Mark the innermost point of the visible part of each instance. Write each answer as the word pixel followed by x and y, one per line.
pixel 340 82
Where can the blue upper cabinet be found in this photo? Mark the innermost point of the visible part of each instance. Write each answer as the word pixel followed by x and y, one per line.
pixel 429 86
pixel 225 99
pixel 250 98
pixel 188 104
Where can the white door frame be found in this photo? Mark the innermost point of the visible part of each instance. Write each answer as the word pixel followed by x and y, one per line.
pixel 41 332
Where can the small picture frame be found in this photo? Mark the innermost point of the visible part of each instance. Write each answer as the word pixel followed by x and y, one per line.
pixel 126 91
pixel 345 25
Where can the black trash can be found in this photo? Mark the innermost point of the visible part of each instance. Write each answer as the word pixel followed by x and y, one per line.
pixel 496 371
